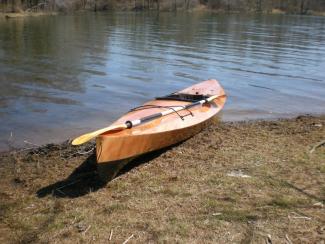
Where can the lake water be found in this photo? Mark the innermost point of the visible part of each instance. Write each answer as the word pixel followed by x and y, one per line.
pixel 65 75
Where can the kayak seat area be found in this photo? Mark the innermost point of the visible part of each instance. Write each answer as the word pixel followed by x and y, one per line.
pixel 184 97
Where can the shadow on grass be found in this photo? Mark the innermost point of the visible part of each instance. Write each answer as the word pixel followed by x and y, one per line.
pixel 298 189
pixel 90 176
pixel 302 191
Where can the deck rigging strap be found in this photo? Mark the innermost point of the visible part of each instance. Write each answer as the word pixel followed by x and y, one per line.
pixel 184 97
pixel 149 106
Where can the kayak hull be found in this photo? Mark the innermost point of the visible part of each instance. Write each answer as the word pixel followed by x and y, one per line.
pixel 163 132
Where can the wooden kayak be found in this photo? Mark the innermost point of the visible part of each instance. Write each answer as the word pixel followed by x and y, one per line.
pixel 166 130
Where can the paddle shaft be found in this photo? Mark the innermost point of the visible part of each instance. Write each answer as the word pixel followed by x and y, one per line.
pixel 130 123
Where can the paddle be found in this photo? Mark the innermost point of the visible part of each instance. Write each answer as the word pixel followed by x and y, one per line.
pixel 129 124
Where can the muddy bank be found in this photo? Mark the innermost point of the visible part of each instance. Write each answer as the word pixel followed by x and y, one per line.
pixel 234 182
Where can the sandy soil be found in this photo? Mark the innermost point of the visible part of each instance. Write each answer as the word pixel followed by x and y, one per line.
pixel 243 182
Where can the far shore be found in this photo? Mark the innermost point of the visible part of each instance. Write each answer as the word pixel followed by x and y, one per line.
pixel 200 8
pixel 235 182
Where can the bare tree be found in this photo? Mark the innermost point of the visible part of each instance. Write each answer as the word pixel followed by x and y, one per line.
pixel 303 6
pixel 16 6
pixel 258 5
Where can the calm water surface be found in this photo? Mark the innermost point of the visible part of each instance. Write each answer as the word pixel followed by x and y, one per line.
pixel 64 75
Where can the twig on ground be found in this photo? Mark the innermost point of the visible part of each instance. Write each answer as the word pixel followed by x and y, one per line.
pixel 61 192
pixel 317 145
pixel 84 233
pixel 268 239
pixel 238 173
pixel 10 141
pixel 74 220
pixel 288 240
pixel 11 136
pixel 61 187
pixel 110 236
pixel 298 216
pixel 128 239
pixel 27 142
pixel 26 149
pixel 301 217
pixel 83 153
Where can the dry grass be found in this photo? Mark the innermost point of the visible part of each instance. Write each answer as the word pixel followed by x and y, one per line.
pixel 182 195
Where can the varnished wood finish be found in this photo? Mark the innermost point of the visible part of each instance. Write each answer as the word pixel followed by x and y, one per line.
pixel 162 132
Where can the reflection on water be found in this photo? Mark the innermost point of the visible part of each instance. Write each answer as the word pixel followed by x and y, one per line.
pixel 63 75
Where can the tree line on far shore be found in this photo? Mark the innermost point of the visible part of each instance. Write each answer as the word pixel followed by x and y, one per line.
pixel 262 6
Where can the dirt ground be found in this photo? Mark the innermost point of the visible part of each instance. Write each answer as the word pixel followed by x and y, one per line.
pixel 235 182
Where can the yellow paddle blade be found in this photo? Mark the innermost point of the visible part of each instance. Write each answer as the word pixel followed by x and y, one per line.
pixel 87 137
pixel 82 139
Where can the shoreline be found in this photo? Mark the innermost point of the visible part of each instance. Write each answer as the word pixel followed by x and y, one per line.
pixel 247 179
pixel 13 147
pixel 26 14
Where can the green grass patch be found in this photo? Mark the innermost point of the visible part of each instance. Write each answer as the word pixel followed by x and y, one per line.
pixel 322 168
pixel 287 202
pixel 115 207
pixel 234 215
pixel 178 226
pixel 57 225
pixel 172 192
pixel 5 207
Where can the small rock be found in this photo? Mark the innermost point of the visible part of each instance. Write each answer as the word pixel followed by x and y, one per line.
pixel 238 173
pixel 81 227
pixel 318 204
